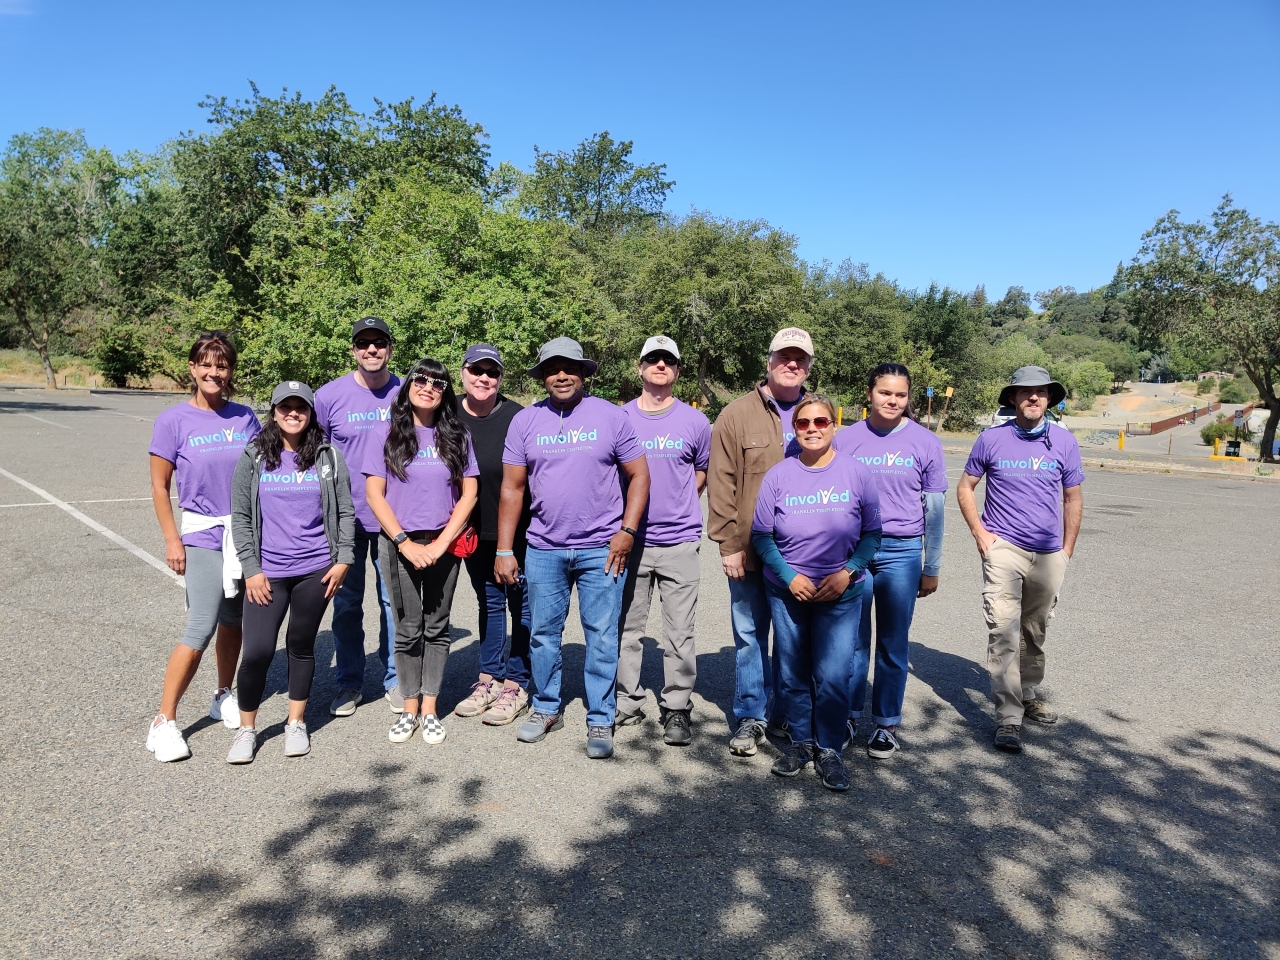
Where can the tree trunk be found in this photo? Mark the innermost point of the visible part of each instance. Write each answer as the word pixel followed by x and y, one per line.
pixel 1269 431
pixel 50 381
pixel 703 387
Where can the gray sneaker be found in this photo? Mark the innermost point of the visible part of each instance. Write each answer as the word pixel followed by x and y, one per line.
pixel 345 703
pixel 296 741
pixel 243 745
pixel 748 736
pixel 393 697
pixel 599 743
pixel 538 726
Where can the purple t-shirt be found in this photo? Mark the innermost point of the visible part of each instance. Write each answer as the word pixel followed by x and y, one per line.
pixel 293 540
pixel 906 463
pixel 676 442
pixel 817 515
pixel 354 419
pixel 204 446
pixel 425 498
pixel 1025 480
pixel 574 463
pixel 786 411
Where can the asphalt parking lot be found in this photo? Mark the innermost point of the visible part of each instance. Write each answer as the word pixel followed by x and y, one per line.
pixel 1142 825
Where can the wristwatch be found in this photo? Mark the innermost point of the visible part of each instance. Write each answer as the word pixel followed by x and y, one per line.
pixel 628 530
pixel 400 538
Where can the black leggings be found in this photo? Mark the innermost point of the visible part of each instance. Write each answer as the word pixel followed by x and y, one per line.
pixel 304 600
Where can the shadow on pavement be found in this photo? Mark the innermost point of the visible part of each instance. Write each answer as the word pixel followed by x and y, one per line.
pixel 1088 845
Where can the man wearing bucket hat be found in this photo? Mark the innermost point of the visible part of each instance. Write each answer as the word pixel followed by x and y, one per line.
pixel 575 454
pixel 677 443
pixel 752 434
pixel 1026 535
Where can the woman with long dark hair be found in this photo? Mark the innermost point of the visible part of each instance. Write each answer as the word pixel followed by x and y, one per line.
pixel 906 460
pixel 198 442
pixel 421 485
pixel 294 526
pixel 816 526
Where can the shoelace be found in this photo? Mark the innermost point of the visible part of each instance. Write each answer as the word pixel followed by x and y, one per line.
pixel 507 694
pixel 598 733
pixel 478 686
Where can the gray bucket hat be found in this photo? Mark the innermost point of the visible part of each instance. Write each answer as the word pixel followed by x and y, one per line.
pixel 566 348
pixel 1033 377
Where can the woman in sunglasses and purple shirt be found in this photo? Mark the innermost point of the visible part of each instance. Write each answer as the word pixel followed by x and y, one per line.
pixel 911 477
pixel 816 527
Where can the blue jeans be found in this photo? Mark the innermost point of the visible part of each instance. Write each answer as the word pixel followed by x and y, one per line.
pixel 503 656
pixel 815 644
pixel 348 621
pixel 893 579
pixel 755 691
pixel 551 575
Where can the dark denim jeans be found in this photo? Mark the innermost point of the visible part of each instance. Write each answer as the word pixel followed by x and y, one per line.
pixel 503 655
pixel 755 693
pixel 893 580
pixel 815 658
pixel 552 575
pixel 348 620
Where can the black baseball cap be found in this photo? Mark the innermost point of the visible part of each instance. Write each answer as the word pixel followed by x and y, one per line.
pixel 483 351
pixel 370 323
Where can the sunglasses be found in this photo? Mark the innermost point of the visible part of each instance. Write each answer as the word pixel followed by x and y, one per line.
pixel 381 343
pixel 802 423
pixel 493 373
pixel 666 358
pixel 422 380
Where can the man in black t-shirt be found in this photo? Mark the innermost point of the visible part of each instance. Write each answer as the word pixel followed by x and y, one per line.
pixel 501 692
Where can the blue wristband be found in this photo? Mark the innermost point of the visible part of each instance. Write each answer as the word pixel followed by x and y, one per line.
pixel 504 553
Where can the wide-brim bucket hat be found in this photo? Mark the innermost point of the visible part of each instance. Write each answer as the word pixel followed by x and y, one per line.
pixel 1033 377
pixel 565 348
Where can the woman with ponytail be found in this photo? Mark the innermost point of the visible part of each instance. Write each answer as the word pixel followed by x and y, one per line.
pixel 421 485
pixel 906 460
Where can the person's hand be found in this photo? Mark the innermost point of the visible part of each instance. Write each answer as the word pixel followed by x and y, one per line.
pixel 802 588
pixel 735 565
pixel 928 585
pixel 175 555
pixel 833 586
pixel 436 549
pixel 506 570
pixel 333 579
pixel 985 538
pixel 257 589
pixel 620 545
pixel 416 553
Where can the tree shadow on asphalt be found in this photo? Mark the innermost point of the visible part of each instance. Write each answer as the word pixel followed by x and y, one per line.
pixel 1093 843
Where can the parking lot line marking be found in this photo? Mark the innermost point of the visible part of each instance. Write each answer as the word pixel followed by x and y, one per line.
pixel 92 524
pixel 46 503
pixel 43 420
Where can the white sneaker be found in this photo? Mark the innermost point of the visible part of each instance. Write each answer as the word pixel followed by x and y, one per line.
pixel 225 708
pixel 164 739
pixel 432 729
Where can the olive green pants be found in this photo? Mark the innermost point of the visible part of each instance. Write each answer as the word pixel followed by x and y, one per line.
pixel 1019 591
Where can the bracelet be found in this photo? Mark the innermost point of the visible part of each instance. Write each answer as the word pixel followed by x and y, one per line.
pixel 504 553
pixel 628 530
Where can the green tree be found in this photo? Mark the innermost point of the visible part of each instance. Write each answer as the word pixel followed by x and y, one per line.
pixel 56 194
pixel 1205 285
pixel 596 187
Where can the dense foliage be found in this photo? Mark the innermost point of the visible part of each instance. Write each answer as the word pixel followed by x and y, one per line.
pixel 288 218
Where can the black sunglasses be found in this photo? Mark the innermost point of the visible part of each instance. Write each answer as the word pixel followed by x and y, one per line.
pixel 657 355
pixel 380 343
pixel 493 373
pixel 422 380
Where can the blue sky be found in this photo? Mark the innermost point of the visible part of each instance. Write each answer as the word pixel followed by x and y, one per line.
pixel 994 143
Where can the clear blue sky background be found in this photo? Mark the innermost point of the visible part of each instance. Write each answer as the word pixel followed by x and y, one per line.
pixel 963 143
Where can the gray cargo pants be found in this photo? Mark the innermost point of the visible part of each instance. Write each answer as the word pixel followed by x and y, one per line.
pixel 674 572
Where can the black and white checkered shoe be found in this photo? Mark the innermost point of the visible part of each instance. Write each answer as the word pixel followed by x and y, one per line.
pixel 432 729
pixel 402 730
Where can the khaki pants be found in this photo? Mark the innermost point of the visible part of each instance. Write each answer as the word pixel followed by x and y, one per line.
pixel 1019 591
pixel 674 572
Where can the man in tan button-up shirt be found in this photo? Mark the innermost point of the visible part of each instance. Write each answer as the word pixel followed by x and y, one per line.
pixel 752 434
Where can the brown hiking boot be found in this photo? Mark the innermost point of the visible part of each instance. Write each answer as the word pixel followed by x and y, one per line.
pixel 483 693
pixel 511 703
pixel 1038 711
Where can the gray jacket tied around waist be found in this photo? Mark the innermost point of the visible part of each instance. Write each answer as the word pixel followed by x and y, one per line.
pixel 335 506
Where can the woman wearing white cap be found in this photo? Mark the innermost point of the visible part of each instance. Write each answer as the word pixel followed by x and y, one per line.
pixel 294 529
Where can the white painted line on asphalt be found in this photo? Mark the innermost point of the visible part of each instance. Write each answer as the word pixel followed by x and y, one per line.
pixel 43 420
pixel 95 525
pixel 46 503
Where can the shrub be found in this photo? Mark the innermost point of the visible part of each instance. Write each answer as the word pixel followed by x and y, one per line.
pixel 1205 386
pixel 1222 429
pixel 121 355
pixel 1236 390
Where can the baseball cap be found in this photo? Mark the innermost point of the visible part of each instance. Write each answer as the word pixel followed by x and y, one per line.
pixel 792 337
pixel 665 344
pixel 482 351
pixel 370 323
pixel 293 388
